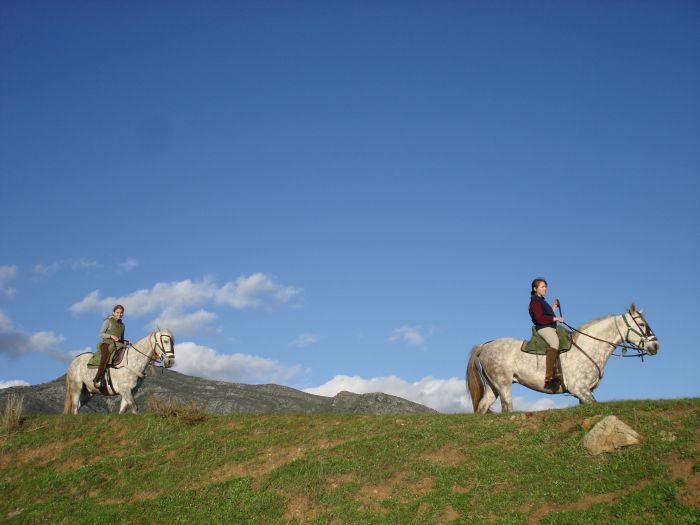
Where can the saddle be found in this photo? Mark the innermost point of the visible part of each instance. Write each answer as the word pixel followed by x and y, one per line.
pixel 537 345
pixel 114 360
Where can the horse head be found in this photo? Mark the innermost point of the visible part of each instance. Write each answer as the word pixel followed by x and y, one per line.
pixel 639 333
pixel 163 343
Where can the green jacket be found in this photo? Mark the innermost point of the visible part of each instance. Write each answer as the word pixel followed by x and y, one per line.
pixel 113 327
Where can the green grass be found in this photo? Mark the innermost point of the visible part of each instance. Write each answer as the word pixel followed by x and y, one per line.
pixel 338 469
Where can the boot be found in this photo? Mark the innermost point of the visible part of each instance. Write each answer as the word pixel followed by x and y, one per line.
pixel 104 357
pixel 550 380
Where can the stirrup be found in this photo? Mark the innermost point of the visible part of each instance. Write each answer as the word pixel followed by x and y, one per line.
pixel 551 383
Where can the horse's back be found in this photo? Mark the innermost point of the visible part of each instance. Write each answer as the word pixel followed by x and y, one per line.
pixel 503 349
pixel 78 366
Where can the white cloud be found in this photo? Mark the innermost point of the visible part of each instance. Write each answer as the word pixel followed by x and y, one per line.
pixel 46 269
pixel 408 334
pixel 83 264
pixel 443 395
pixel 7 273
pixel 5 323
pixel 128 265
pixel 304 340
pixel 13 382
pixel 543 403
pixel 14 343
pixel 202 361
pixel 257 290
pixel 183 324
pixel 74 264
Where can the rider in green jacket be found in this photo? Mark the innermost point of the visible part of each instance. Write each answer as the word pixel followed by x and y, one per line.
pixel 112 334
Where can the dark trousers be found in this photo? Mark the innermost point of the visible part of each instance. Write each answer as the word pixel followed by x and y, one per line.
pixel 105 352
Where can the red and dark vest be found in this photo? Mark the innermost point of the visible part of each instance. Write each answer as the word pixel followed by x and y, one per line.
pixel 547 311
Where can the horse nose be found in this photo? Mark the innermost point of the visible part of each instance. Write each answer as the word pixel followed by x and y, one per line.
pixel 652 347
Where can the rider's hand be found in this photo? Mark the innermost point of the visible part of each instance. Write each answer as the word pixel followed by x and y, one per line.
pixel 114 337
pixel 555 304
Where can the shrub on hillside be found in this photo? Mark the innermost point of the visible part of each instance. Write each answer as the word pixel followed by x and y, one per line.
pixel 189 413
pixel 13 412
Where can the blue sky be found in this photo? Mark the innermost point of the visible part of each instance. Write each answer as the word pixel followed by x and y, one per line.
pixel 348 195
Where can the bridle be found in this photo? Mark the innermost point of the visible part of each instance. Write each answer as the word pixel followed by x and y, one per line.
pixel 157 349
pixel 157 343
pixel 645 335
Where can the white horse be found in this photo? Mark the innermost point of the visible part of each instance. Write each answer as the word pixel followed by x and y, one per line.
pixel 494 366
pixel 126 377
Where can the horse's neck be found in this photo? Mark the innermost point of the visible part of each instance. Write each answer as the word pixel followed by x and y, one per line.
pixel 141 358
pixel 605 329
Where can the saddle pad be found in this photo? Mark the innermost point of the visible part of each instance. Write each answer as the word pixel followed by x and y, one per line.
pixel 114 359
pixel 537 345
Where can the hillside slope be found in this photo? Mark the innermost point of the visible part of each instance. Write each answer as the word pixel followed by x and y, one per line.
pixel 346 469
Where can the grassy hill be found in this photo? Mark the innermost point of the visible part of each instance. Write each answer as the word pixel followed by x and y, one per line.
pixel 176 466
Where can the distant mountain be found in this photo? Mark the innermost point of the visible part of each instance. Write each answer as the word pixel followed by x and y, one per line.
pixel 217 397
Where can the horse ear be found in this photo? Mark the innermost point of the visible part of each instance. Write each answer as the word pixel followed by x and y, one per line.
pixel 633 308
pixel 158 328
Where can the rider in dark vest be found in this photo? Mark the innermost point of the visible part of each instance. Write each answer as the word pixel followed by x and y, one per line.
pixel 112 334
pixel 542 315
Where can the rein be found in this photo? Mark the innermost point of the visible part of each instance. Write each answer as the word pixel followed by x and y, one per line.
pixel 152 357
pixel 625 345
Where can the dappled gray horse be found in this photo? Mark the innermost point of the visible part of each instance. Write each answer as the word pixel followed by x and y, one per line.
pixel 126 377
pixel 494 366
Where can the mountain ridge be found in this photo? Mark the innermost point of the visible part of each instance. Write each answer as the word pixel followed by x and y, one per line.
pixel 216 397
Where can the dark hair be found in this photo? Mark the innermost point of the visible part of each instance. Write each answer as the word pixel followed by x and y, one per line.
pixel 536 283
pixel 118 307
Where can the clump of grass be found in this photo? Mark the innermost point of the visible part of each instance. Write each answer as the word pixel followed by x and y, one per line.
pixel 189 413
pixel 13 412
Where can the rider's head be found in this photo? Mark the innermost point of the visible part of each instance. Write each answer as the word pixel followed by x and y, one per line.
pixel 118 309
pixel 536 284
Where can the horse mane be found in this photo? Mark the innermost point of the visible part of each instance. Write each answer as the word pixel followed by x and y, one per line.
pixel 587 325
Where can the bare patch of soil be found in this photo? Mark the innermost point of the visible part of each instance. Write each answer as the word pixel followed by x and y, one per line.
pixel 449 514
pixel 71 464
pixel 300 508
pixel 41 455
pixel 584 503
pixel 447 455
pixel 682 469
pixel 335 482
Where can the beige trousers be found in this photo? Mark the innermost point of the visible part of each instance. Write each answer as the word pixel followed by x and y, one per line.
pixel 549 334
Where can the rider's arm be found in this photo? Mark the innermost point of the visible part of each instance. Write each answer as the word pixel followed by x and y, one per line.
pixel 103 330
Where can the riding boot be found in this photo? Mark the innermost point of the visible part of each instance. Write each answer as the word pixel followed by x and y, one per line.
pixel 104 357
pixel 550 380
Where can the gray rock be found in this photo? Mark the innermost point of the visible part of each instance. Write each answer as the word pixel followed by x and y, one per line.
pixel 609 434
pixel 217 397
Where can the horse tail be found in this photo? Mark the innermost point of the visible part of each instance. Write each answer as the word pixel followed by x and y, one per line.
pixel 475 384
pixel 68 404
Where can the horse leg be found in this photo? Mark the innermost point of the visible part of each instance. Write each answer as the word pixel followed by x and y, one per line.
pixel 128 402
pixel 83 397
pixel 584 395
pixel 488 399
pixel 506 392
pixel 76 396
